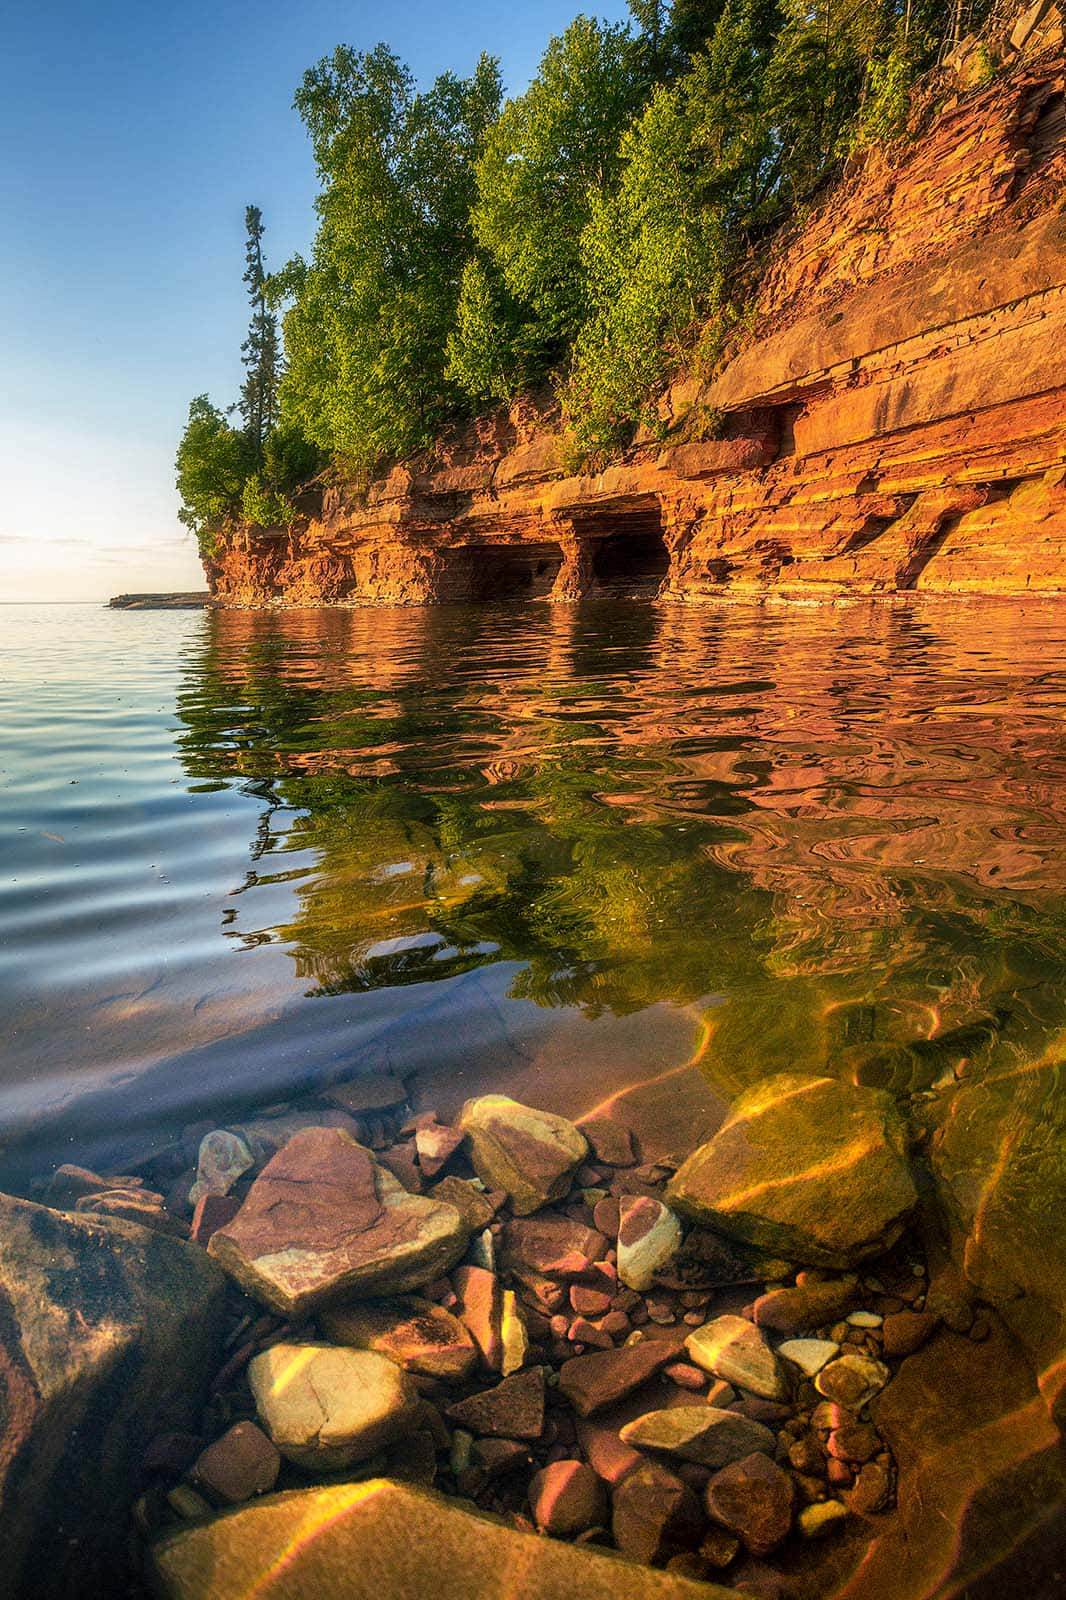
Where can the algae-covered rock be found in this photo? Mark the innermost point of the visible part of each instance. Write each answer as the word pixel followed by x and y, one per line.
pixel 369 1541
pixel 109 1334
pixel 808 1167
pixel 323 1222
pixel 532 1155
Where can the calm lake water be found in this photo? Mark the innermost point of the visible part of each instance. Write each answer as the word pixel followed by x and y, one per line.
pixel 557 850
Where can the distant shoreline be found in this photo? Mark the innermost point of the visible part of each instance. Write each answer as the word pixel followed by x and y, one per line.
pixel 190 600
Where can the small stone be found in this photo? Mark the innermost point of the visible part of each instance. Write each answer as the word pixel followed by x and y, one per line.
pixel 514 1409
pixel 499 1457
pixel 735 1350
pixel 467 1198
pixel 605 1216
pixel 839 1473
pixel 479 1307
pixel 325 1408
pixel 379 1091
pixel 514 1335
pixel 649 1237
pixel 810 1355
pixel 241 1464
pixel 187 1503
pixel 685 1375
pixel 872 1489
pixel 589 1302
pixel 719 1547
pixel 814 1522
pixel 753 1498
pixel 583 1332
pixel 414 1460
pixel 654 1515
pixel 593 1382
pixel 481 1252
pixel 807 1456
pixel 223 1157
pixel 864 1319
pixel 566 1498
pixel 530 1154
pixel 808 1305
pixel 552 1245
pixel 906 1331
pixel 701 1433
pixel 435 1146
pixel 608 1456
pixel 854 1441
pixel 414 1333
pixel 852 1380
pixel 611 1142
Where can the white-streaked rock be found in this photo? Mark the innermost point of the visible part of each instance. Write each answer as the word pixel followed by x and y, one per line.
pixel 737 1351
pixel 649 1237
pixel 701 1433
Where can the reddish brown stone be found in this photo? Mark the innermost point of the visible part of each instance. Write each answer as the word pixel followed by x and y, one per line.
pixel 906 1332
pixel 566 1498
pixel 806 1306
pixel 479 1307
pixel 514 1409
pixel 552 1245
pixel 753 1498
pixel 655 1515
pixel 378 1091
pixel 606 1452
pixel 611 1142
pixel 241 1464
pixel 593 1382
pixel 589 1302
pixel 435 1146
pixel 213 1211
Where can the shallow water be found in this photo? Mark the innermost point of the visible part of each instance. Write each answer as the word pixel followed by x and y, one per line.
pixel 564 848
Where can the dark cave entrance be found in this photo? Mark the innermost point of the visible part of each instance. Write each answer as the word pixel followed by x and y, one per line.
pixel 489 573
pixel 629 554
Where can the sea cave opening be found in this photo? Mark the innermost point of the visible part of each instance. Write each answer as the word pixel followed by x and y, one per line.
pixel 629 554
pixel 498 572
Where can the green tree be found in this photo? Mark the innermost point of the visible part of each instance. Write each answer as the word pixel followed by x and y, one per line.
pixel 370 314
pixel 213 461
pixel 260 351
pixel 551 151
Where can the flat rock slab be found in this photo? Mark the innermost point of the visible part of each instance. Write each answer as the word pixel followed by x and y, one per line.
pixel 809 1167
pixel 531 1155
pixel 366 1541
pixel 514 1409
pixel 109 1335
pixel 703 1433
pixel 414 1333
pixel 324 1222
pixel 593 1382
pixel 326 1407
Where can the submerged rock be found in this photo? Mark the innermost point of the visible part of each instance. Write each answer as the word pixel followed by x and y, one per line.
pixel 566 1498
pixel 326 1407
pixel 753 1498
pixel 531 1155
pixel 416 1334
pixel 703 1433
pixel 324 1222
pixel 654 1514
pixel 367 1541
pixel 809 1167
pixel 109 1335
pixel 649 1236
pixel 735 1350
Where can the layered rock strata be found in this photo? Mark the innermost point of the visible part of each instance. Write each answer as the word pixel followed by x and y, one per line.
pixel 897 421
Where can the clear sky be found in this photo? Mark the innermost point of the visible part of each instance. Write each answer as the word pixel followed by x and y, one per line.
pixel 134 133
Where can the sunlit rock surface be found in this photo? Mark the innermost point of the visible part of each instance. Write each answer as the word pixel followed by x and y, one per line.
pixel 365 1541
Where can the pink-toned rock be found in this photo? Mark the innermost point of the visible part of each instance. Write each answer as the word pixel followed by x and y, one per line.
pixel 479 1307
pixel 567 1498
pixel 589 1302
pixel 471 1202
pixel 378 1091
pixel 514 1409
pixel 753 1498
pixel 241 1464
pixel 611 1142
pixel 606 1452
pixel 418 1335
pixel 606 1215
pixel 324 1222
pixel 531 1154
pixel 556 1246
pixel 213 1211
pixel 592 1383
pixel 654 1515
pixel 435 1146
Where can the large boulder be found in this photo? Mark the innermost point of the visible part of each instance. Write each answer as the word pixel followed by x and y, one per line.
pixel 532 1155
pixel 324 1223
pixel 808 1167
pixel 109 1334
pixel 364 1541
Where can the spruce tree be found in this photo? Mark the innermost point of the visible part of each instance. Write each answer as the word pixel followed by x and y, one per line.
pixel 261 350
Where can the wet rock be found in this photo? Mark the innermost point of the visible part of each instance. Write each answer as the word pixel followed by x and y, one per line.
pixel 514 1409
pixel 324 1222
pixel 554 1245
pixel 532 1155
pixel 654 1515
pixel 212 1212
pixel 733 1349
pixel 370 1540
pixel 906 1331
pixel 815 1521
pixel 592 1383
pixel 468 1199
pixel 134 1205
pixel 753 1498
pixel 514 1334
pixel 852 1380
pixel 326 1407
pixel 109 1335
pixel 223 1158
pixel 809 1167
pixel 853 1441
pixel 566 1498
pixel 607 1454
pixel 649 1236
pixel 611 1142
pixel 871 1490
pixel 808 1305
pixel 435 1146
pixel 701 1433
pixel 479 1307
pixel 69 1183
pixel 242 1463
pixel 414 1333
pixel 809 1355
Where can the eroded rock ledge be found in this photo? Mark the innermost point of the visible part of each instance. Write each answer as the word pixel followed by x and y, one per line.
pixel 899 423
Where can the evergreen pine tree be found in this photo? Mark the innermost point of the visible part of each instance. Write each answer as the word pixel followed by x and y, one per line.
pixel 261 350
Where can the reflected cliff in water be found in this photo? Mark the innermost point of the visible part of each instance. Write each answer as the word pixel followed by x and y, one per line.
pixel 837 833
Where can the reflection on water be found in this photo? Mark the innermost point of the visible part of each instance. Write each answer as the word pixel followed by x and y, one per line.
pixel 782 836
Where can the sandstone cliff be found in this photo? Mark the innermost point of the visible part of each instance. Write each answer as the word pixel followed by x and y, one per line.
pixel 896 421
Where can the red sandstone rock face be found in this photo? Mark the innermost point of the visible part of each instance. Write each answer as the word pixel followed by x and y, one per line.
pixel 899 423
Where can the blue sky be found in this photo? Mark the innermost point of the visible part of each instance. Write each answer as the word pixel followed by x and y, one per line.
pixel 133 137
